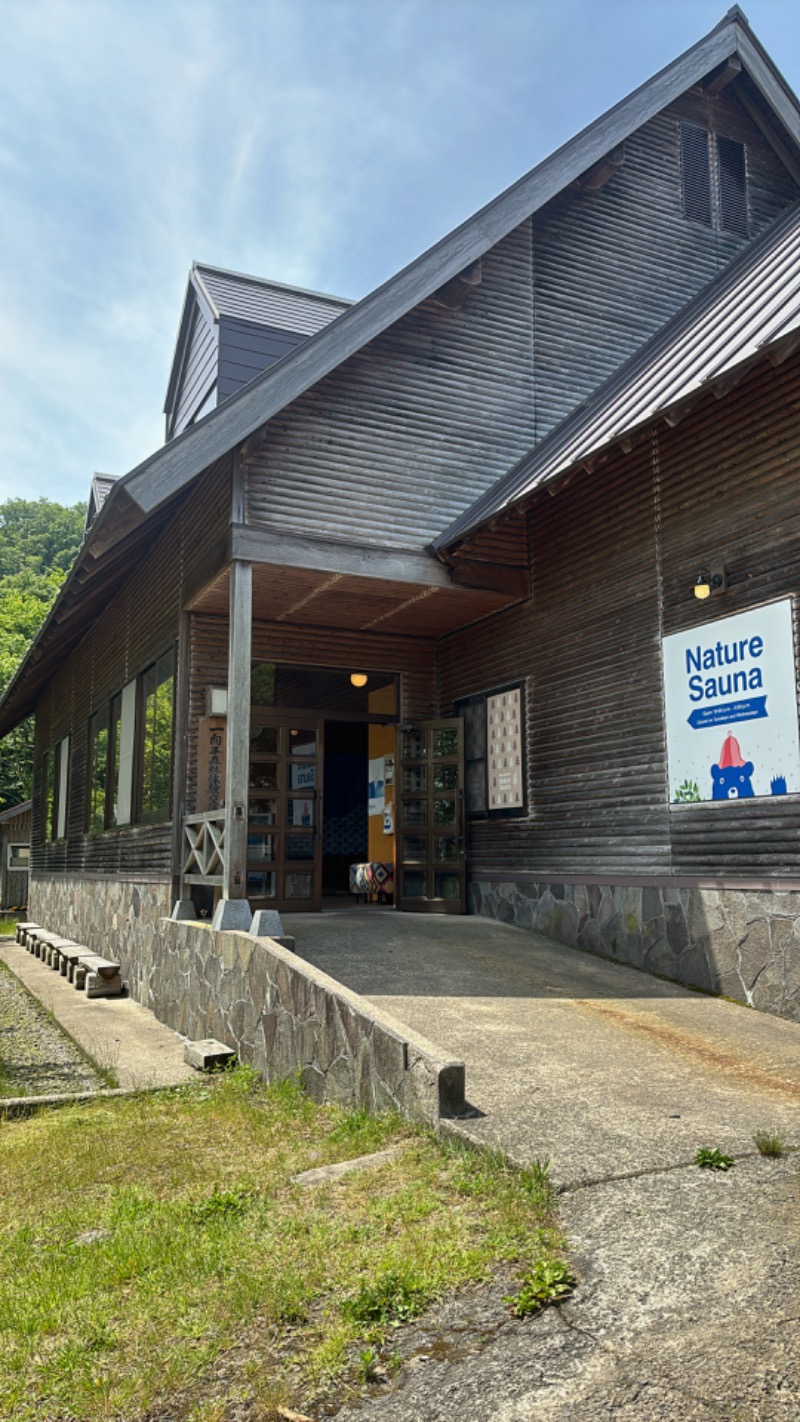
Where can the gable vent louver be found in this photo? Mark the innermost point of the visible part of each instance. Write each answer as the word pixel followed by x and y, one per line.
pixel 732 185
pixel 695 173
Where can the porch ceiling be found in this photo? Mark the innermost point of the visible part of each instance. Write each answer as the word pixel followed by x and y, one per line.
pixel 343 601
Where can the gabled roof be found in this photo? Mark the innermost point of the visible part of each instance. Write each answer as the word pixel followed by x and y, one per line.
pixel 139 502
pixel 101 486
pixel 170 468
pixel 270 303
pixel 753 304
pixel 14 811
pixel 213 292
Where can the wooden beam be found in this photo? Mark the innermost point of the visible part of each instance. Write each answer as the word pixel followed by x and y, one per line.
pixel 721 77
pixel 455 292
pixel 322 555
pixel 600 173
pixel 237 761
pixel 491 577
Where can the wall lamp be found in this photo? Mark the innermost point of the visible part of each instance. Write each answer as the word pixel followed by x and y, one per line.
pixel 709 582
pixel 358 679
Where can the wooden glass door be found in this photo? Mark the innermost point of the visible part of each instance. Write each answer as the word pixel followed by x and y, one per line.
pixel 284 834
pixel 430 815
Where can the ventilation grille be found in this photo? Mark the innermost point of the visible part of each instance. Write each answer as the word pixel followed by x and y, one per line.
pixel 732 186
pixel 695 173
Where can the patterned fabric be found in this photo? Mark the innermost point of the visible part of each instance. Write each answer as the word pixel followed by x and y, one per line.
pixel 372 879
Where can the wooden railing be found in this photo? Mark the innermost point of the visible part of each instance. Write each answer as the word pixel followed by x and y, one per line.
pixel 204 848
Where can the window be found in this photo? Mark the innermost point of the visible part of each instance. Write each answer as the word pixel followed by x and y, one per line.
pixel 494 762
pixel 19 856
pixel 55 766
pixel 713 180
pixel 130 752
pixel 156 694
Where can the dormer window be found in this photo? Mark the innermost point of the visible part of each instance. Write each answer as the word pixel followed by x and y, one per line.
pixel 713 180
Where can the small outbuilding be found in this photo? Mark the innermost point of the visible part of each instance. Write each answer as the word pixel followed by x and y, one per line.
pixel 15 853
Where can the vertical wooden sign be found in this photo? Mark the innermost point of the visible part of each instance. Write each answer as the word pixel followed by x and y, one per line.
pixel 212 734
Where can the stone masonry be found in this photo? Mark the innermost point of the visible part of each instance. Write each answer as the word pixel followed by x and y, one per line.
pixel 282 1015
pixel 742 944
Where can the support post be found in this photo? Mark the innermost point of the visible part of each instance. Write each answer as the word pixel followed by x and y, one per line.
pixel 233 910
pixel 180 897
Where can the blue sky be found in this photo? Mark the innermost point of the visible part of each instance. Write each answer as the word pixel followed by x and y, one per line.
pixel 320 142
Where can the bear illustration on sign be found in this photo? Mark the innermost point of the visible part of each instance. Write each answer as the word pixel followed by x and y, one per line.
pixel 731 778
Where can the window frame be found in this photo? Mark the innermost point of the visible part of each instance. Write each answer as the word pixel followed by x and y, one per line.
pixel 55 788
pixel 18 868
pixel 139 815
pixel 715 163
pixel 512 812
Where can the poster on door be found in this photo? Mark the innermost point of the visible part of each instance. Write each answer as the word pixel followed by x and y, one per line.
pixel 731 707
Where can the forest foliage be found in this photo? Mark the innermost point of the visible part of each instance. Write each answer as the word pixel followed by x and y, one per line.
pixel 38 543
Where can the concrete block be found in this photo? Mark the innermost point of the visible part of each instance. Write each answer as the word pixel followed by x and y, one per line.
pixel 266 923
pixel 232 914
pixel 208 1054
pixel 97 986
pixel 183 910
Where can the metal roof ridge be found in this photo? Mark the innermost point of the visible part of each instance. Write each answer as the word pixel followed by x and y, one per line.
pixel 275 285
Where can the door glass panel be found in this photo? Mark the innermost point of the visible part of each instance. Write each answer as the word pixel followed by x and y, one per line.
pixel 263 777
pixel 263 812
pixel 415 846
pixel 445 848
pixel 445 777
pixel 262 886
pixel 414 886
pixel 415 779
pixel 299 886
pixel 300 813
pixel 302 742
pixel 299 846
pixel 261 846
pixel 444 812
pixel 415 813
pixel 302 777
pixel 414 745
pixel 446 886
pixel 445 741
pixel 264 740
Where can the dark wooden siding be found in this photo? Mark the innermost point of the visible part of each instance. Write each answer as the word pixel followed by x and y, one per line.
pixel 245 349
pixel 401 437
pixel 139 623
pixel 414 658
pixel 721 487
pixel 198 374
pixel 14 882
pixel 612 266
pixel 407 433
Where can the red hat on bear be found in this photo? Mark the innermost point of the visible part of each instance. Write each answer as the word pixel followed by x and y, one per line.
pixel 730 754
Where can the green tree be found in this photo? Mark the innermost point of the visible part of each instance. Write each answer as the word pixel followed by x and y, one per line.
pixel 38 543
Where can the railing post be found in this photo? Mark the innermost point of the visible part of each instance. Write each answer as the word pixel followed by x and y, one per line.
pixel 233 910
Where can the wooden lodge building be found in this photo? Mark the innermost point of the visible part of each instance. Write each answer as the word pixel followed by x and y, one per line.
pixel 414 581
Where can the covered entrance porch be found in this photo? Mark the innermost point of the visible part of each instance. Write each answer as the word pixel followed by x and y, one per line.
pixel 313 740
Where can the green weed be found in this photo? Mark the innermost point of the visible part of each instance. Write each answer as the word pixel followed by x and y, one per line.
pixel 548 1281
pixel 709 1158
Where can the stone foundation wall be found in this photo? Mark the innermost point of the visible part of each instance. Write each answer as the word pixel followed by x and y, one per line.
pixel 120 920
pixel 743 944
pixel 280 1013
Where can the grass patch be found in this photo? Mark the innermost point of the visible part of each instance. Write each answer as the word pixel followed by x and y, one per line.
pixel 771 1143
pixel 8 926
pixel 155 1252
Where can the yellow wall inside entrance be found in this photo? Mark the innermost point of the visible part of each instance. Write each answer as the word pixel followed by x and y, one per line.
pixel 382 746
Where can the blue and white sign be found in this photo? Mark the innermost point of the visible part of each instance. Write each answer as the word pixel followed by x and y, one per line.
pixel 731 705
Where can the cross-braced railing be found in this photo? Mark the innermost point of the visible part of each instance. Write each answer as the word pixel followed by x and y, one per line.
pixel 204 848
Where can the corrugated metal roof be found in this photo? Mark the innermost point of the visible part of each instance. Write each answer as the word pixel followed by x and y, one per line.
pixel 101 486
pixel 752 304
pixel 269 303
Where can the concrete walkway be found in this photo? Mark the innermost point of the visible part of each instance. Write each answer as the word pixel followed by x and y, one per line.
pixel 688 1302
pixel 115 1032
